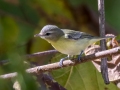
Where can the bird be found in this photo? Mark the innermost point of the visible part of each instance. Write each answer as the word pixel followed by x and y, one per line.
pixel 66 41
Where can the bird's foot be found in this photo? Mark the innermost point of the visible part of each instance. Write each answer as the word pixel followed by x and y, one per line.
pixel 61 60
pixel 80 56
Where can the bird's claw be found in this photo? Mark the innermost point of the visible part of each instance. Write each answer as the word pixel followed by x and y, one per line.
pixel 61 62
pixel 79 57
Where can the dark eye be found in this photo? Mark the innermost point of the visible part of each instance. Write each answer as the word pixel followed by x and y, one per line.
pixel 47 34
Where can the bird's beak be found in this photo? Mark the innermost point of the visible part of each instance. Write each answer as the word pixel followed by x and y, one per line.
pixel 38 35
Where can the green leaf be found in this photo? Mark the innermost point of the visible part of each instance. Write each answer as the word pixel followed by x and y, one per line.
pixel 55 8
pixel 22 11
pixel 81 77
pixel 10 9
pixel 9 33
pixel 29 13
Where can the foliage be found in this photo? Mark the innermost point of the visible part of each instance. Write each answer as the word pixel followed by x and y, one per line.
pixel 21 19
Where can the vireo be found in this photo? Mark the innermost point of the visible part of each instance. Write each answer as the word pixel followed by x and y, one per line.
pixel 67 41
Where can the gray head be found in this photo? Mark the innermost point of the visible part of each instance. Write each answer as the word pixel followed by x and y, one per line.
pixel 50 33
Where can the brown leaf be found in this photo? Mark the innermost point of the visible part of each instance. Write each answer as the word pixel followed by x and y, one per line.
pixel 113 64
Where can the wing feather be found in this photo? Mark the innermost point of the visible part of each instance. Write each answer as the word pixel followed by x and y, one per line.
pixel 75 35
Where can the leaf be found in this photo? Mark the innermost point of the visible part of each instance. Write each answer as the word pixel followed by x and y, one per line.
pixel 22 12
pixel 10 9
pixel 9 34
pixel 55 8
pixel 113 63
pixel 29 13
pixel 80 77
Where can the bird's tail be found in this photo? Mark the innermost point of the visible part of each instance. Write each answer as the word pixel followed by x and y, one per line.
pixel 108 37
pixel 99 38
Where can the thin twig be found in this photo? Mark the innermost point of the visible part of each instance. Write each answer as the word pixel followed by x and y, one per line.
pixel 42 53
pixel 54 66
pixel 38 54
pixel 104 67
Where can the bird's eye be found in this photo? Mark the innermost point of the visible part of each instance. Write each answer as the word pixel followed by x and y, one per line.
pixel 47 34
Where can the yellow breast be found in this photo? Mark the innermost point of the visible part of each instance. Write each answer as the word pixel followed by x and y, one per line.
pixel 69 46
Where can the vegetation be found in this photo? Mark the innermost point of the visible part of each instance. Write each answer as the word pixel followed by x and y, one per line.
pixel 21 19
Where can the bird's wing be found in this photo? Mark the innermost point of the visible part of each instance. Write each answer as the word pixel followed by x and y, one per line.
pixel 75 35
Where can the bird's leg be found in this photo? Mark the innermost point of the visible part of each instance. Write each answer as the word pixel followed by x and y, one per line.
pixel 61 60
pixel 80 55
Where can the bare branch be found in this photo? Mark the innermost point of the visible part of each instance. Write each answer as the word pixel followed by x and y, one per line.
pixel 104 67
pixel 54 66
pixel 8 76
pixel 42 53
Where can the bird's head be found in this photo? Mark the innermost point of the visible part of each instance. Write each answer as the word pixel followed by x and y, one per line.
pixel 50 33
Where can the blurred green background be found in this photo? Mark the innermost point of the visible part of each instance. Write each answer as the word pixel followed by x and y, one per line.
pixel 21 19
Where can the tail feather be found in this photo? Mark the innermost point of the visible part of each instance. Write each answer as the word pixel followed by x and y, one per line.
pixel 108 37
pixel 98 39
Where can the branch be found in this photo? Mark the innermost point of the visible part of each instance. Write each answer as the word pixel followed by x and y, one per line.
pixel 38 54
pixel 54 66
pixel 104 67
pixel 44 53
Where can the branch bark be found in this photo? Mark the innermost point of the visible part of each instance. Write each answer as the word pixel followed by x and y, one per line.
pixel 41 53
pixel 104 67
pixel 54 66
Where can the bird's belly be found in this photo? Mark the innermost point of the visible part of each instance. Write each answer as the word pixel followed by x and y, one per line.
pixel 71 47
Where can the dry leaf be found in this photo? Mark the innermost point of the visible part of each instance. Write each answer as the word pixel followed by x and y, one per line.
pixel 113 64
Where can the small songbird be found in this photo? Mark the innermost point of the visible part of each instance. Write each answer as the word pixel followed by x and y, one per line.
pixel 67 41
